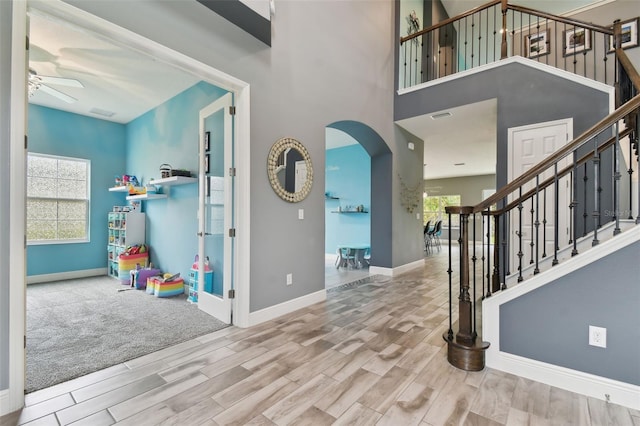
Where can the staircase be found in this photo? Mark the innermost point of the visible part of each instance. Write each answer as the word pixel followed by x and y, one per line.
pixel 528 290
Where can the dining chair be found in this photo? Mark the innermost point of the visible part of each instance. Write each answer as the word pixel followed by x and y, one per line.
pixel 345 257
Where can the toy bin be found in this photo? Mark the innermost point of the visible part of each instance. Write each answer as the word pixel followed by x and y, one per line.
pixel 143 277
pixel 128 262
pixel 168 288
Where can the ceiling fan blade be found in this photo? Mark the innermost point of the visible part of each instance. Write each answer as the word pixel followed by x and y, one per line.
pixel 61 81
pixel 58 94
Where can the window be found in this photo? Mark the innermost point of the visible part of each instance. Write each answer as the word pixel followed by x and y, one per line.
pixel 57 199
pixel 434 209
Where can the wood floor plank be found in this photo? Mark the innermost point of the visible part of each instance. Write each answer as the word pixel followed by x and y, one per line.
pixel 49 420
pixel 101 418
pixel 383 394
pixel 195 414
pixel 252 383
pixel 358 415
pixel 316 365
pixel 258 402
pixel 233 361
pixel 385 360
pixel 136 404
pixel 531 397
pixel 494 399
pixel 151 416
pixel 207 389
pixel 452 403
pixel 523 418
pixel 106 400
pixel 410 407
pixel 296 403
pixel 45 408
pixel 195 364
pixel 346 393
pixel 313 416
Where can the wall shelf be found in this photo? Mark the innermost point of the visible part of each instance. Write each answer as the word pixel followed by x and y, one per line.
pixel 331 198
pixel 121 188
pixel 350 211
pixel 174 180
pixel 148 196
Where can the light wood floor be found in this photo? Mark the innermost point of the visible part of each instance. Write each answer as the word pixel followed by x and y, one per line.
pixel 372 353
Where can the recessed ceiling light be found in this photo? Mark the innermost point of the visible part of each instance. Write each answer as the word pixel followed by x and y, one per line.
pixel 440 115
pixel 458 164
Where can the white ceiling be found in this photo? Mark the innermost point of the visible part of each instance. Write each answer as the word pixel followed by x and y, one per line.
pixel 116 79
pixel 128 83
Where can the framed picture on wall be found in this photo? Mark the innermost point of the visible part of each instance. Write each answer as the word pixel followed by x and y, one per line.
pixel 575 41
pixel 207 141
pixel 629 32
pixel 537 44
pixel 206 164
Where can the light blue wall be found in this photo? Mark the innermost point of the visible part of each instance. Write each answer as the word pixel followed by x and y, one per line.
pixel 169 134
pixel 348 177
pixel 71 135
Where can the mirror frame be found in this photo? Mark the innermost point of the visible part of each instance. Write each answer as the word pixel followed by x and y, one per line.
pixel 278 148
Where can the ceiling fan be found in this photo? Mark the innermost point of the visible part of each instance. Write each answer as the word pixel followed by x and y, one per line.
pixel 41 82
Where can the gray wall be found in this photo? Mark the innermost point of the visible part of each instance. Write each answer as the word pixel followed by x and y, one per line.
pixel 5 118
pixel 551 323
pixel 308 79
pixel 470 190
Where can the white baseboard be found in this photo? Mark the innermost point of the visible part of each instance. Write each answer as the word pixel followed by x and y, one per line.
pixel 59 276
pixel 283 308
pixel 572 380
pixel 390 272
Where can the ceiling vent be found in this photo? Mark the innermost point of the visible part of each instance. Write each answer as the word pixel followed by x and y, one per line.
pixel 102 112
pixel 440 115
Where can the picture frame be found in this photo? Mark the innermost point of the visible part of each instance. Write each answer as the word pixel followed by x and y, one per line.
pixel 629 35
pixel 207 141
pixel 537 44
pixel 206 164
pixel 576 40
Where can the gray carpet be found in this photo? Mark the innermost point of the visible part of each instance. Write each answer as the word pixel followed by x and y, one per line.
pixel 80 326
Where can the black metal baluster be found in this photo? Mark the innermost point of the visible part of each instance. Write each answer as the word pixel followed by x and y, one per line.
pixel 630 172
pixel 495 9
pixel 585 179
pixel 544 222
pixel 531 244
pixel 473 24
pixel 473 262
pixel 466 41
pixel 483 259
pixel 536 270
pixel 405 64
pixel 616 182
pixel 574 203
pixel 520 252
pixel 496 255
pixel 556 218
pixel 488 252
pixel 596 195
pixel 450 272
pixel 446 44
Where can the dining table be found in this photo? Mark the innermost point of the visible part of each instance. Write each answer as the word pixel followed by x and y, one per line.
pixel 352 254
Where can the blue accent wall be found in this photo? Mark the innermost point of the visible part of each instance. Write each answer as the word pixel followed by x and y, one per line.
pixel 169 134
pixel 61 133
pixel 347 177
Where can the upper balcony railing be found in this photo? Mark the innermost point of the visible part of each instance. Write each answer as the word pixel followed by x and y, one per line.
pixel 498 30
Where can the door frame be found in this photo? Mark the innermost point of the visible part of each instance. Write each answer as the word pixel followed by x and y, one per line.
pixel 568 122
pixel 13 399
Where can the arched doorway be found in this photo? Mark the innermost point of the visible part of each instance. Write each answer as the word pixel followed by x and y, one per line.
pixel 380 188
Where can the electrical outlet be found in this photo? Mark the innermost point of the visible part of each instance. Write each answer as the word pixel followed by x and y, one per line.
pixel 289 279
pixel 598 336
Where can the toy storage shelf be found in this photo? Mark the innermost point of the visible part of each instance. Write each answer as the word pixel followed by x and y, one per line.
pixel 125 229
pixel 174 180
pixel 146 197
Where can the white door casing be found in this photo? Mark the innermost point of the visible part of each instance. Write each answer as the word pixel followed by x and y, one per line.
pixel 527 146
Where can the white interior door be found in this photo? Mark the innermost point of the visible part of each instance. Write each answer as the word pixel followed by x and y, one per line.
pixel 529 145
pixel 216 210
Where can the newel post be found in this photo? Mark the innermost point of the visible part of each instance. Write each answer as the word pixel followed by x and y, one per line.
pixel 503 45
pixel 464 351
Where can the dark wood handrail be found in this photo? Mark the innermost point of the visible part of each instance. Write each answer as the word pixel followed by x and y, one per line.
pixel 562 173
pixel 594 130
pixel 568 21
pixel 450 20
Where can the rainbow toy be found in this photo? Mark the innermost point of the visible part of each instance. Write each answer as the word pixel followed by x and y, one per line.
pixel 168 288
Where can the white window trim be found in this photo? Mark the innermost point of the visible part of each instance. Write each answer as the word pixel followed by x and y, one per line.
pixel 85 240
